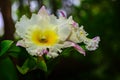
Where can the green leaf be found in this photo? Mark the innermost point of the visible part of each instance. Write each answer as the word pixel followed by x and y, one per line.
pixel 28 65
pixel 22 70
pixel 5 45
pixel 41 64
pixel 15 48
pixel 32 63
pixel 7 70
pixel 66 52
pixel 15 51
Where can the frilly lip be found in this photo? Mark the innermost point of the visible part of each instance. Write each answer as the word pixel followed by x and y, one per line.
pixel 92 44
pixel 97 39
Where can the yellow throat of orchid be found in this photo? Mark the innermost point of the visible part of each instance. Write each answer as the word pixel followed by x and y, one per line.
pixel 44 37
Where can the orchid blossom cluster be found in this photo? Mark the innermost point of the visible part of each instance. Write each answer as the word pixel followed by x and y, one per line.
pixel 46 34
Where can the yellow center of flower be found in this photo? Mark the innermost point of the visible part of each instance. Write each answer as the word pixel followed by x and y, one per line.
pixel 44 37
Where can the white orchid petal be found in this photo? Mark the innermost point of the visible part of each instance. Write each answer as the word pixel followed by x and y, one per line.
pixel 64 32
pixel 22 26
pixel 52 54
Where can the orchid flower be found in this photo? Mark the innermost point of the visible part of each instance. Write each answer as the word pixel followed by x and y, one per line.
pixel 41 33
pixel 46 34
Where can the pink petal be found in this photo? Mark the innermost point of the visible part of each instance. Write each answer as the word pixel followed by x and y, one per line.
pixel 45 51
pixel 62 13
pixel 74 24
pixel 78 48
pixel 41 52
pixel 20 43
pixel 43 11
pixel 96 39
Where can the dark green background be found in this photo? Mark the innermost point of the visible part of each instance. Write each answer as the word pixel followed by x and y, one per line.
pixel 99 18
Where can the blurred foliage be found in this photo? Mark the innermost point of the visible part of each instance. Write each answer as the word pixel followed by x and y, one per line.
pixel 7 70
pixel 4 46
pixel 99 17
